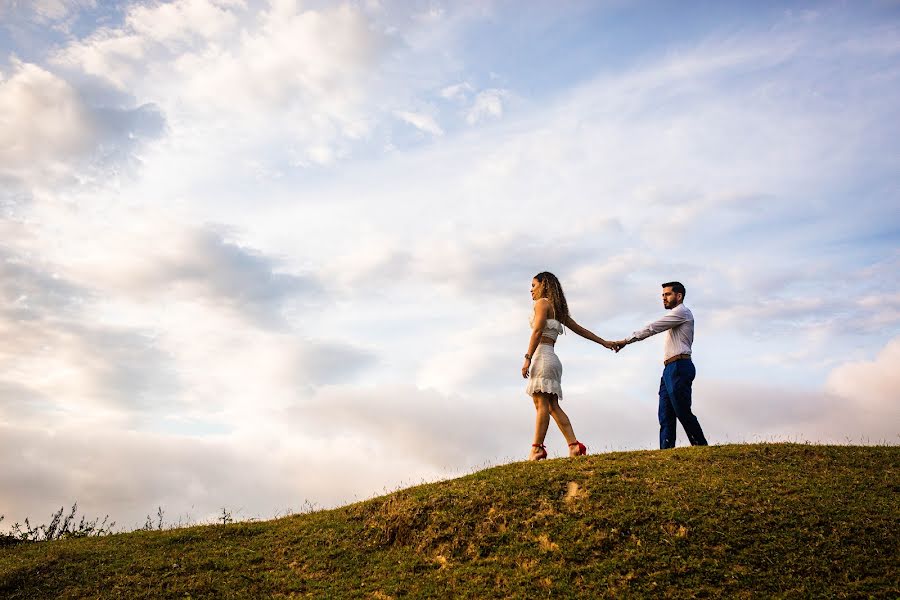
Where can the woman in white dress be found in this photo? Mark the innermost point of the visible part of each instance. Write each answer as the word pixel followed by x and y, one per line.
pixel 542 365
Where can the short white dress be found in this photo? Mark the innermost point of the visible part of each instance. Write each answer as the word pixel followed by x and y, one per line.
pixel 546 368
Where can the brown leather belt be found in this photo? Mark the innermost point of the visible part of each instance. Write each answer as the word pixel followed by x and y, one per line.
pixel 672 359
pixel 546 340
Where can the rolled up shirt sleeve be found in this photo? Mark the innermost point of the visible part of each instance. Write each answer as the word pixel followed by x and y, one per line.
pixel 673 319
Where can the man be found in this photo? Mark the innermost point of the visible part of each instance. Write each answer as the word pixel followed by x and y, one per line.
pixel 678 369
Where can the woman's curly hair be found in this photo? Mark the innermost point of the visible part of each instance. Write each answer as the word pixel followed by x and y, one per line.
pixel 554 293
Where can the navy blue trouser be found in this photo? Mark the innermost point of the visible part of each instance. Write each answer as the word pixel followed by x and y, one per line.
pixel 675 402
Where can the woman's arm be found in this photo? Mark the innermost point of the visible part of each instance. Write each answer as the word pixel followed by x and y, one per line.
pixel 541 310
pixel 586 334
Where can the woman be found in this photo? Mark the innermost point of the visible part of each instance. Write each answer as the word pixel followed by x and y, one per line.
pixel 550 314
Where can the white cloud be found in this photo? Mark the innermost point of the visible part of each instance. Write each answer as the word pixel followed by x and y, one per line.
pixel 284 63
pixel 203 265
pixel 43 121
pixel 52 9
pixel 63 361
pixel 71 370
pixel 487 104
pixel 47 11
pixel 872 385
pixel 111 56
pixel 375 259
pixel 420 121
pixel 432 14
pixel 49 133
pixel 458 91
pixel 127 325
pixel 181 20
pixel 434 427
pixel 128 474
pixel 307 70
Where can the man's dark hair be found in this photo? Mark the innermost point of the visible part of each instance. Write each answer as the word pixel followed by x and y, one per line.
pixel 677 287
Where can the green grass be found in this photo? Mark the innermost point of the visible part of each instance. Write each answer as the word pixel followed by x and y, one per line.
pixel 757 521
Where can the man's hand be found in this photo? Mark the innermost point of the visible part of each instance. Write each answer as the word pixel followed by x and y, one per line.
pixel 617 346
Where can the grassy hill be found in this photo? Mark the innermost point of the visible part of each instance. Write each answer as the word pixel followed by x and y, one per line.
pixel 752 521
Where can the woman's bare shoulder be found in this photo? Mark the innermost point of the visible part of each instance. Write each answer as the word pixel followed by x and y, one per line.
pixel 542 306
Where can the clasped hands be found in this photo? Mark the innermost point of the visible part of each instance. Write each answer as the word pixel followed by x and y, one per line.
pixel 616 346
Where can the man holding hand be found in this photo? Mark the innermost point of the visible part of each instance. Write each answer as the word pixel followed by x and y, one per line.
pixel 678 369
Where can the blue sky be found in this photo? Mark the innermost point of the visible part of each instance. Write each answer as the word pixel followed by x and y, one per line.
pixel 257 253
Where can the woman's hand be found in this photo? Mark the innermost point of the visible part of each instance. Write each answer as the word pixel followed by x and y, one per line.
pixel 525 367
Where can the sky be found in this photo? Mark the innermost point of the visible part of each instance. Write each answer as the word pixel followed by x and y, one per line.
pixel 263 255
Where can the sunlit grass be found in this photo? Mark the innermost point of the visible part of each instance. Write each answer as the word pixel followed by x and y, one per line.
pixel 763 520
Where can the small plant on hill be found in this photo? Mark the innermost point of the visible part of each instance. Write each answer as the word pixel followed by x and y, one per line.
pixel 61 526
pixel 149 524
pixel 6 539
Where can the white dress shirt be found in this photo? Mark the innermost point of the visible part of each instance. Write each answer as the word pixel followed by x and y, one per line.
pixel 679 327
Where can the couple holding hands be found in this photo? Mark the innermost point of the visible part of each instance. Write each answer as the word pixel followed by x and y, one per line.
pixel 544 370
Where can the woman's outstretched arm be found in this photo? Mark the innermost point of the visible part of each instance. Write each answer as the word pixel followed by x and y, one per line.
pixel 587 334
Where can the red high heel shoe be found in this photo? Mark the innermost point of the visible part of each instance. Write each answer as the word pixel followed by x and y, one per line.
pixel 540 455
pixel 582 450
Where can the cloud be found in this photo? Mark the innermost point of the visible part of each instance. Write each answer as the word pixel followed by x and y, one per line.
pixel 44 120
pixel 128 474
pixel 283 64
pixel 856 403
pixel 30 293
pixel 64 370
pixel 324 362
pixel 181 21
pixel 422 122
pixel 260 73
pixel 872 385
pixel 65 361
pixel 439 429
pixel 45 11
pixel 736 412
pixel 111 57
pixel 49 132
pixel 220 272
pixel 771 312
pixel 22 405
pixel 160 328
pixel 370 262
pixel 123 55
pixel 487 104
pixel 457 92
pixel 202 265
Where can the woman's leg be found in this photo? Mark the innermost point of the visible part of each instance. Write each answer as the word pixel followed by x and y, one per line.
pixel 542 421
pixel 564 424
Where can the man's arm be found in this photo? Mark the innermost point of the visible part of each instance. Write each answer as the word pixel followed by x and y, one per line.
pixel 668 321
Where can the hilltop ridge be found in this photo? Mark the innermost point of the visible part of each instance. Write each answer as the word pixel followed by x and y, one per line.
pixel 782 520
